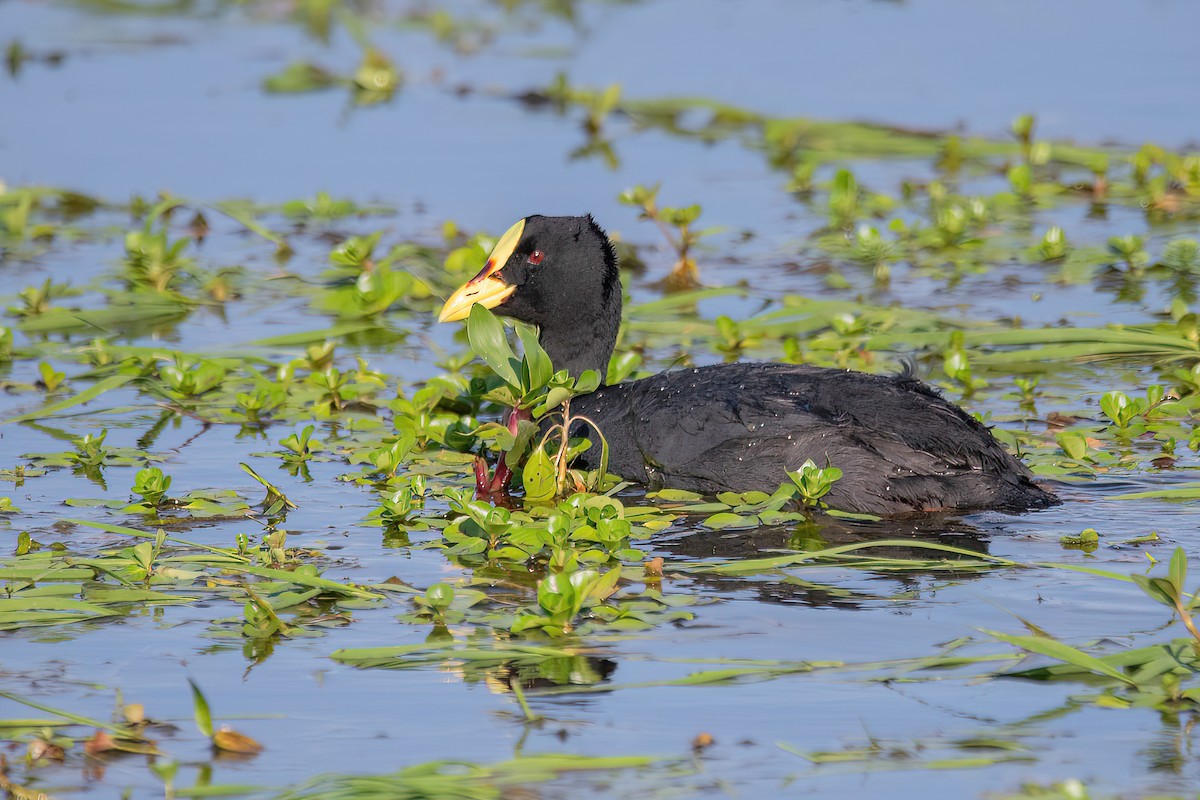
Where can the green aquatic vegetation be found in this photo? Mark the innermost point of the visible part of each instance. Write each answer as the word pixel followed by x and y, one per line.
pixel 151 484
pixel 844 200
pixel 676 226
pixel 49 378
pixel 1070 789
pixel 856 556
pixel 15 209
pixel 1039 172
pixel 957 366
pixel 1131 250
pixel 813 482
pixel 375 80
pixel 884 755
pixel 1119 408
pixel 870 247
pixel 91 456
pixel 188 378
pixel 732 340
pixel 262 621
pixel 487 651
pixel 37 300
pixel 334 389
pixel 1028 389
pixel 153 262
pixel 224 739
pixel 1170 591
pixel 300 77
pixel 317 358
pixel 582 528
pixel 577 601
pixel 1181 255
pixel 406 448
pixel 563 596
pixel 365 284
pixel 388 458
pixel 257 405
pixel 320 209
pixel 747 509
pixel 442 605
pixel 1087 540
pixel 599 106
pixel 40 593
pixel 1022 128
pixel 300 447
pixel 465 35
pixel 1054 245
pixel 1074 444
pixel 532 390
pixel 32 218
pixel 1157 414
pixel 1165 676
pixel 125 313
pixel 396 508
pixel 127 734
pixel 372 293
pixel 468 779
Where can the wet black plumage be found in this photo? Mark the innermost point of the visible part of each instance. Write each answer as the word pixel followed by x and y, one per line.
pixel 900 445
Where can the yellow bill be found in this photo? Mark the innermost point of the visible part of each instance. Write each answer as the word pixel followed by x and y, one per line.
pixel 484 288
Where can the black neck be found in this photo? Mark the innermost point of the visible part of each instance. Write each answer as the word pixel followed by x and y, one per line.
pixel 588 343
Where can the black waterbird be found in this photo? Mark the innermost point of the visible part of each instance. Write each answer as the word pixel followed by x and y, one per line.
pixel 901 447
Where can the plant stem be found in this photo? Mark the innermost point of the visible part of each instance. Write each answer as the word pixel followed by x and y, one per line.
pixel 1186 618
pixel 651 213
pixel 564 442
pixel 514 683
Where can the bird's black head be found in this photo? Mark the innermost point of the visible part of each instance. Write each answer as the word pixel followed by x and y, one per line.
pixel 560 274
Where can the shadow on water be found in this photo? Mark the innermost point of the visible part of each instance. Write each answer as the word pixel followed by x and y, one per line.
pixel 779 586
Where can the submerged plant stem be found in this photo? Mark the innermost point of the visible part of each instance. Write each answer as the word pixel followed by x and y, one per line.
pixel 519 693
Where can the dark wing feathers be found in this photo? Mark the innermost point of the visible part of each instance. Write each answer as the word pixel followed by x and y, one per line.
pixel 739 426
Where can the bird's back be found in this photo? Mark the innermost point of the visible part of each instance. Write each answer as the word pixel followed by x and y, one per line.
pixel 738 427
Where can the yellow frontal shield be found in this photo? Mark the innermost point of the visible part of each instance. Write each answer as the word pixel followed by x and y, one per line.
pixel 485 289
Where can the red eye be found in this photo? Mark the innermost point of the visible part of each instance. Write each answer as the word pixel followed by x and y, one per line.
pixel 536 257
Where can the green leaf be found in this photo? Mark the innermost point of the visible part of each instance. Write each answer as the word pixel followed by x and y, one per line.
pixel 200 708
pixel 299 77
pixel 1188 492
pixel 1073 444
pixel 622 366
pixel 440 596
pixel 539 477
pixel 554 398
pixel 541 370
pixel 1065 653
pixel 95 390
pixel 321 335
pixel 675 495
pixel 1158 589
pixel 728 520
pixel 311 581
pixel 588 381
pixel 486 333
pixel 525 434
pixel 1178 570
